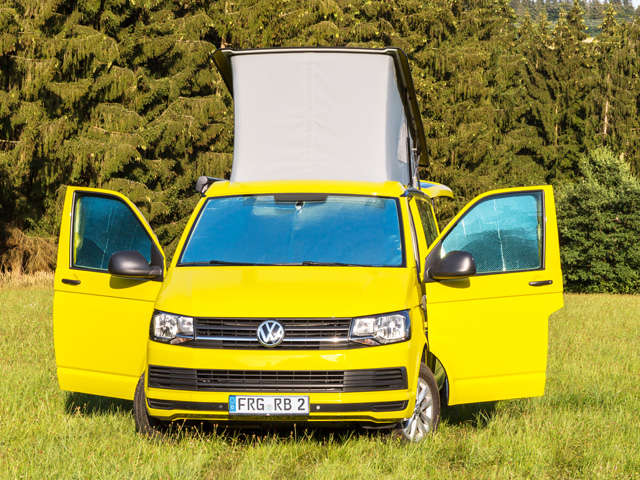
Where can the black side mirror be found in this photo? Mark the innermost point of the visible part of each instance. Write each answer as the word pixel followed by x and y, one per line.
pixel 455 264
pixel 131 263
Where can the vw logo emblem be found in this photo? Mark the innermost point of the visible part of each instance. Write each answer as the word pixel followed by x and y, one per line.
pixel 270 333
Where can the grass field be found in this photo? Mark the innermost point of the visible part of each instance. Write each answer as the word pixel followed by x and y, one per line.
pixel 586 425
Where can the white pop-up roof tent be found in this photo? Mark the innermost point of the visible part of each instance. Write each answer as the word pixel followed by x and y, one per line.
pixel 323 114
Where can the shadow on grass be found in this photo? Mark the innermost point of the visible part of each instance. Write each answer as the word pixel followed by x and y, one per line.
pixel 240 434
pixel 476 414
pixel 86 405
pixel 93 405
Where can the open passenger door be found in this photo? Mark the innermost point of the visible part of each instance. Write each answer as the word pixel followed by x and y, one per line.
pixel 100 321
pixel 489 330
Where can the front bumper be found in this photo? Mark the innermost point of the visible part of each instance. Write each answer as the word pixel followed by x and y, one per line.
pixel 354 402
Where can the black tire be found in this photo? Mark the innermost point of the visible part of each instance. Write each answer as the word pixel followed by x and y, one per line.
pixel 145 424
pixel 426 415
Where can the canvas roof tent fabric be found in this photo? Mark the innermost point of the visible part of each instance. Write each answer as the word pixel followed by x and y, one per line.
pixel 323 114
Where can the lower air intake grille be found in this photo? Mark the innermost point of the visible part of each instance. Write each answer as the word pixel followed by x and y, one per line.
pixel 205 380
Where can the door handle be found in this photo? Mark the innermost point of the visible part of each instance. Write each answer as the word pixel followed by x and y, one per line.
pixel 538 283
pixel 69 281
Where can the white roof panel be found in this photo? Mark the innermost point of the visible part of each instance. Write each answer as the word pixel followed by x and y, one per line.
pixel 319 114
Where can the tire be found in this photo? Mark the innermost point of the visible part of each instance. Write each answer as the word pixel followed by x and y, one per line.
pixel 444 395
pixel 145 424
pixel 426 415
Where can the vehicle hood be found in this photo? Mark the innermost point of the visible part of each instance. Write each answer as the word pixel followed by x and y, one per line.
pixel 289 291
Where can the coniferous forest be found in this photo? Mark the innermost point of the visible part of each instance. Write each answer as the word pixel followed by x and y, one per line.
pixel 123 95
pixel 594 11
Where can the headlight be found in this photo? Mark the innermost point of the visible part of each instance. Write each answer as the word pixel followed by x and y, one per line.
pixel 170 328
pixel 381 329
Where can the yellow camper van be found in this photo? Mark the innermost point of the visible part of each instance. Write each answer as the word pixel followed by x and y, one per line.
pixel 315 285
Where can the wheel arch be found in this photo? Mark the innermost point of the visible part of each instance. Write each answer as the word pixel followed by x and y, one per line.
pixel 439 372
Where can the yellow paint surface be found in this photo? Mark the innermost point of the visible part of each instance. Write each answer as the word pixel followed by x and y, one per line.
pixel 489 331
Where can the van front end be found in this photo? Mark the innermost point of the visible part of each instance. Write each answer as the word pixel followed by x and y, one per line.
pixel 230 383
pixel 289 305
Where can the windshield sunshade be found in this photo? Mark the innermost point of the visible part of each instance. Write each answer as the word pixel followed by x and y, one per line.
pixel 302 230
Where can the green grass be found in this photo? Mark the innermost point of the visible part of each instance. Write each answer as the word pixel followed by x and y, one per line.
pixel 586 425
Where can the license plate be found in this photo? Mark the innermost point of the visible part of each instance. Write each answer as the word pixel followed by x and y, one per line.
pixel 268 405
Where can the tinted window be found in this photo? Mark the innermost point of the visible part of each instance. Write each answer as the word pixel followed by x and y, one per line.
pixel 428 222
pixel 103 226
pixel 503 233
pixel 267 230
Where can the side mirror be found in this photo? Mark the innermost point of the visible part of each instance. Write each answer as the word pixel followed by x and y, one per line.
pixel 131 263
pixel 453 265
pixel 203 183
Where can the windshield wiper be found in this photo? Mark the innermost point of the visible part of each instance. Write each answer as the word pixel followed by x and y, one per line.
pixel 305 263
pixel 331 264
pixel 222 262
pixel 213 262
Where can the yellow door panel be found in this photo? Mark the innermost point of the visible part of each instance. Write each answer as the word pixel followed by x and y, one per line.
pixel 101 322
pixel 490 330
pixel 487 341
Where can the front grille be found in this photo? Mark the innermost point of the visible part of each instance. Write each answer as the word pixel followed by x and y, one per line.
pixel 205 380
pixel 300 333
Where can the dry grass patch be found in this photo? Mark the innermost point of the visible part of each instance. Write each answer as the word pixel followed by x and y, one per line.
pixel 24 253
pixel 9 280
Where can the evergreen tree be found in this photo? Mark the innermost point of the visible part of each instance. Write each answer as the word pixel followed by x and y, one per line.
pixel 123 95
pixel 598 221
pixel 473 104
pixel 614 103
pixel 560 77
pixel 111 95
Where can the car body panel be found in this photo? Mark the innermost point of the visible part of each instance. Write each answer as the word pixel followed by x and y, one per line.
pixel 286 291
pixel 100 321
pixel 490 331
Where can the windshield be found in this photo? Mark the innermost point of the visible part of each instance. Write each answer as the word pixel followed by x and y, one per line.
pixel 296 229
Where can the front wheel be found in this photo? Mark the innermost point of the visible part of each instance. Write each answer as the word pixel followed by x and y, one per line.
pixel 145 424
pixel 426 414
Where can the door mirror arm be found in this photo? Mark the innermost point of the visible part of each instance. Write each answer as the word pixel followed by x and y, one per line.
pixel 454 265
pixel 132 264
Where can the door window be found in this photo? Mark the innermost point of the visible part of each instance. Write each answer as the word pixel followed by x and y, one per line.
pixel 428 220
pixel 503 233
pixel 102 226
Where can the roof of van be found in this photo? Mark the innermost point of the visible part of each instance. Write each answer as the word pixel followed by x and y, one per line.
pixel 269 187
pixel 331 187
pixel 325 113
